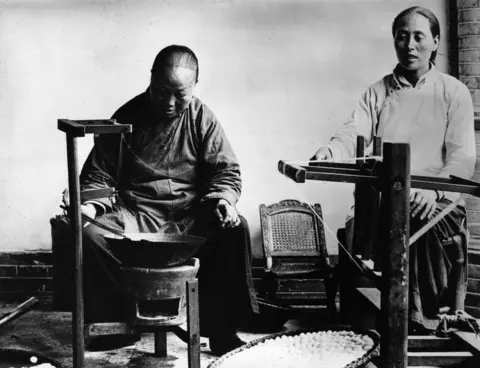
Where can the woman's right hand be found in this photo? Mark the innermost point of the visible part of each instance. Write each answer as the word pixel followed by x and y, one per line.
pixel 322 154
pixel 423 202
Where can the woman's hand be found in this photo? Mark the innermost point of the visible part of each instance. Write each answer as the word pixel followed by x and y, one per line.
pixel 227 214
pixel 322 154
pixel 423 202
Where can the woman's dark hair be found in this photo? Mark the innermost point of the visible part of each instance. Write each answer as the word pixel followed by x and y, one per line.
pixel 176 55
pixel 432 19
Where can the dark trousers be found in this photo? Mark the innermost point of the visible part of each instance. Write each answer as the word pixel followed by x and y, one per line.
pixel 430 264
pixel 226 292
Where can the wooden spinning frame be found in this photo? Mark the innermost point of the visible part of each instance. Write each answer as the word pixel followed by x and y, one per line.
pixel 392 178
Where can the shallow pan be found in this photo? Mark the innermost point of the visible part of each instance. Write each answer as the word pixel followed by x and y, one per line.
pixel 154 250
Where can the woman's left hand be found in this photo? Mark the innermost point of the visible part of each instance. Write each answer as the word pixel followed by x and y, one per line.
pixel 423 202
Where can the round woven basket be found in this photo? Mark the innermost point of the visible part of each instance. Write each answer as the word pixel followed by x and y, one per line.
pixel 360 362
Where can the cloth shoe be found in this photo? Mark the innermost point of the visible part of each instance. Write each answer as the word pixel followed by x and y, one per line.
pixel 417 329
pixel 459 320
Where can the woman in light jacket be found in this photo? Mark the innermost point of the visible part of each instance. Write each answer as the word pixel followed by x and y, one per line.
pixel 433 112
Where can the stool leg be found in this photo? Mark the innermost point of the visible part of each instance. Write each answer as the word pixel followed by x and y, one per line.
pixel 331 287
pixel 160 343
pixel 193 323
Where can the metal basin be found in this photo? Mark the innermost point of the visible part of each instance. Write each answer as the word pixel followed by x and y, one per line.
pixel 154 250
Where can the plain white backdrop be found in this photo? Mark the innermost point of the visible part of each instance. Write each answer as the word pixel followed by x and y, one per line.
pixel 282 76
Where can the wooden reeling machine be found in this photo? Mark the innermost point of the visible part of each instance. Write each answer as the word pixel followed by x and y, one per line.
pixel 391 177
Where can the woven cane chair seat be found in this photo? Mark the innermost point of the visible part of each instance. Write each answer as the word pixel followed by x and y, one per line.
pixel 293 231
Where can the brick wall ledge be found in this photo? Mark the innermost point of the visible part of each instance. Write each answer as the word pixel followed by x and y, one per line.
pixel 30 274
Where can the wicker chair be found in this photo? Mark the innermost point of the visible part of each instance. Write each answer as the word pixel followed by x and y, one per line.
pixel 298 270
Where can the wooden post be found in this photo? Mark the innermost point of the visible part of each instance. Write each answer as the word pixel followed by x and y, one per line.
pixel 346 286
pixel 160 343
pixel 366 205
pixel 354 244
pixel 373 244
pixel 359 210
pixel 193 322
pixel 377 146
pixel 360 149
pixel 395 215
pixel 76 223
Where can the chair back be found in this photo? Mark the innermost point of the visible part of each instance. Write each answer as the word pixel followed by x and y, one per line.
pixel 292 229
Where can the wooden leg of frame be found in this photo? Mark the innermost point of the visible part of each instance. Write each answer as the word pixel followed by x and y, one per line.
pixel 160 343
pixel 193 322
pixel 345 287
pixel 331 286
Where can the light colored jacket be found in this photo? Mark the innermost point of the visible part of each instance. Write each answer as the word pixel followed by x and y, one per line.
pixel 435 117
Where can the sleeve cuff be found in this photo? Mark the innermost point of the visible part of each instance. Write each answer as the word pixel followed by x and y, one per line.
pixel 453 196
pixel 101 209
pixel 337 150
pixel 440 195
pixel 229 197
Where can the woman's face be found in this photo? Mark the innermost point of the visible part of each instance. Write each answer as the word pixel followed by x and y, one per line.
pixel 414 43
pixel 171 90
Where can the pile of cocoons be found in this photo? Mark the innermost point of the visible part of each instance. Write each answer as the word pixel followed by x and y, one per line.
pixel 322 349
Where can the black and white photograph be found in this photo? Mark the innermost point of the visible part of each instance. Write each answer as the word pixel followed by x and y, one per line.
pixel 239 183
